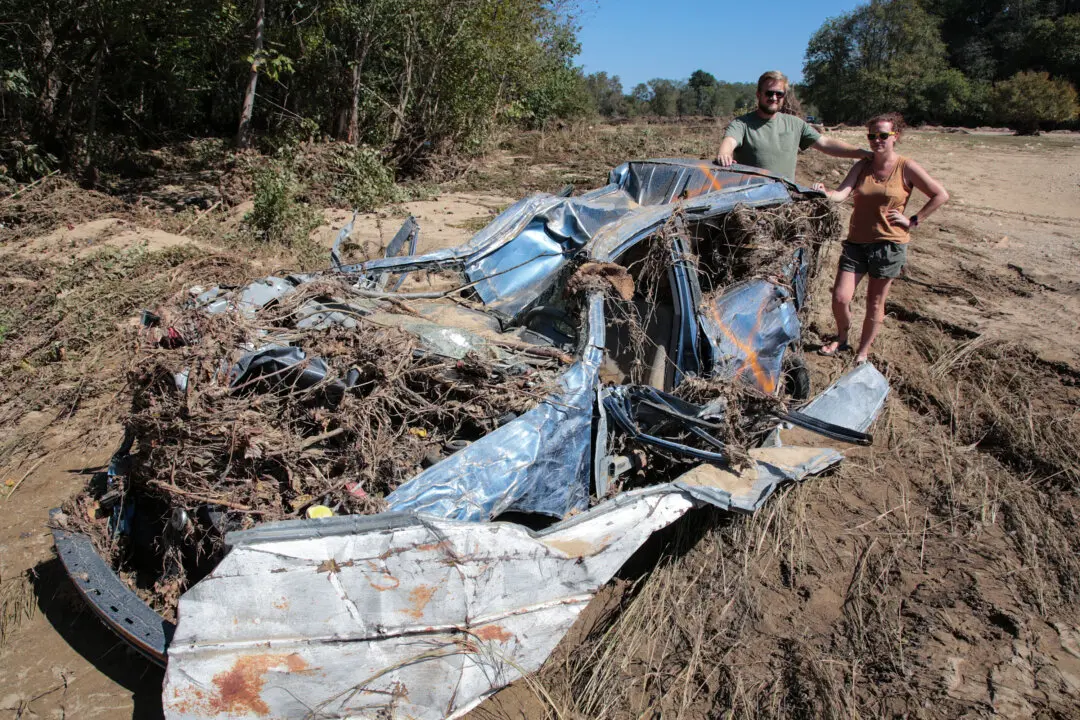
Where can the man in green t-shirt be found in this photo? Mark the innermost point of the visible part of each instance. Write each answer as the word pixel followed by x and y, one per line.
pixel 770 139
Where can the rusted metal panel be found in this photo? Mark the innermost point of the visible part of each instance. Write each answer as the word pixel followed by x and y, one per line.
pixel 386 616
pixel 411 616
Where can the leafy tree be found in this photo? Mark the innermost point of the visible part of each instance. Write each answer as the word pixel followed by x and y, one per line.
pixel 1054 46
pixel 994 39
pixel 639 99
pixel 558 87
pixel 1029 99
pixel 701 93
pixel 606 93
pixel 874 59
pixel 949 97
pixel 410 77
pixel 937 61
pixel 734 97
pixel 664 97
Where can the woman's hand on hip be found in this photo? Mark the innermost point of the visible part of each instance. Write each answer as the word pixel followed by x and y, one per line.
pixel 895 217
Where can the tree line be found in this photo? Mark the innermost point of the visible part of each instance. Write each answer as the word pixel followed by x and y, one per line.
pixel 701 94
pixel 81 78
pixel 956 62
pixel 81 81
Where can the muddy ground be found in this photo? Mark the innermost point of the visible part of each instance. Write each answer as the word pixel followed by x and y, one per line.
pixel 935 574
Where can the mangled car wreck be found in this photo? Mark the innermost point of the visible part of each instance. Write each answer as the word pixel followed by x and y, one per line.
pixel 388 489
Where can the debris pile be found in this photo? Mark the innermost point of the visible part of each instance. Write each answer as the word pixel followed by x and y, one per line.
pixel 759 242
pixel 223 437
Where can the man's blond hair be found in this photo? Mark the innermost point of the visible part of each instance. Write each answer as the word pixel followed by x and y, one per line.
pixel 771 76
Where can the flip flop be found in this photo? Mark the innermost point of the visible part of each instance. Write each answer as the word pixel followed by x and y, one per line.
pixel 841 347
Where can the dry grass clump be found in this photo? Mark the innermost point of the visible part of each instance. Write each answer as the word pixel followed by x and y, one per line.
pixel 688 643
pixel 54 201
pixel 63 326
pixel 1001 408
pixel 222 452
pixel 760 242
pixel 17 603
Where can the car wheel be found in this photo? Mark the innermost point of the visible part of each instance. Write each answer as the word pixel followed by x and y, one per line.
pixel 796 377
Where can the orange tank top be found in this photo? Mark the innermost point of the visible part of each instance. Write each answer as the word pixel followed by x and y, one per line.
pixel 873 201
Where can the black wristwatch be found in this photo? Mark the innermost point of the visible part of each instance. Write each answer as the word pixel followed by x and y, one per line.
pixel 913 221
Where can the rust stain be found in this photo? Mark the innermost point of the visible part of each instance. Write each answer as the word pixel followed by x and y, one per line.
pixel 419 598
pixel 496 633
pixel 392 583
pixel 239 690
pixel 188 701
pixel 442 545
pixel 282 604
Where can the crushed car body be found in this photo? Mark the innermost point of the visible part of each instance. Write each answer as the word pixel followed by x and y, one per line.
pixel 622 314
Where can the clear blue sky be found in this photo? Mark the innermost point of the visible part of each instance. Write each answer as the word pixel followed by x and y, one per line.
pixel 736 41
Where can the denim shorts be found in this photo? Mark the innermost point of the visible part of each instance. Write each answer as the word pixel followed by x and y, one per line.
pixel 879 260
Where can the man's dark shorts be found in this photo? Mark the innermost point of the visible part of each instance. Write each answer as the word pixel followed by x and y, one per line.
pixel 880 260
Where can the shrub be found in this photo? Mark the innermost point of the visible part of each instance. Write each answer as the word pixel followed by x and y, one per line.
pixel 364 179
pixel 1030 99
pixel 278 216
pixel 24 161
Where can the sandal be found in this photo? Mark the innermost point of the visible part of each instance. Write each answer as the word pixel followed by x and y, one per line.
pixel 840 347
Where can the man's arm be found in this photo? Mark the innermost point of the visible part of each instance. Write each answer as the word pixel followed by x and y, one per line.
pixel 733 138
pixel 840 149
pixel 726 154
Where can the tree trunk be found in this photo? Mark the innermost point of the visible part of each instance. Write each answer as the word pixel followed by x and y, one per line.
pixel 360 52
pixel 243 135
pixel 95 98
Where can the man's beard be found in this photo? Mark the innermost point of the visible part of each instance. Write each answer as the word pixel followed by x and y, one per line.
pixel 766 110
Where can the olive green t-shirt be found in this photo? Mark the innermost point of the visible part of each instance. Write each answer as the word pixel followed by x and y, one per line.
pixel 772 144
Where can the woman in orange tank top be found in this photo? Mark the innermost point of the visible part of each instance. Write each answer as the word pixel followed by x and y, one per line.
pixel 879 232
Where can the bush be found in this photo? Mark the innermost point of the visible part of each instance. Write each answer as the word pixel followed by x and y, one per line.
pixel 1028 100
pixel 24 161
pixel 278 216
pixel 364 180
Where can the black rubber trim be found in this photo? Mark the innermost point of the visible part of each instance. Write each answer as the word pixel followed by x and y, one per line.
pixel 835 432
pixel 114 602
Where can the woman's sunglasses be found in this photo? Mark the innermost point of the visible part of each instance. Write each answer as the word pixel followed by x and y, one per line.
pixel 879 136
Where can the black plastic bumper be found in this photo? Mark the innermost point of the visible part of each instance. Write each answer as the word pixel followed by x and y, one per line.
pixel 113 601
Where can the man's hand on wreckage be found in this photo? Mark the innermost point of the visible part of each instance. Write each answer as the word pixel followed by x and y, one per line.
pixel 724 158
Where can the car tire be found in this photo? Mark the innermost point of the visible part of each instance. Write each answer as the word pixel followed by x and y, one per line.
pixel 796 377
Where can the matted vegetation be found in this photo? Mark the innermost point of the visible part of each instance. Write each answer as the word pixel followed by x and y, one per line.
pixel 216 448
